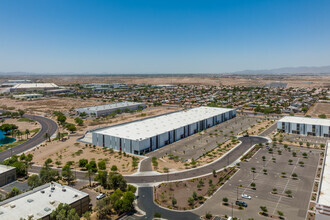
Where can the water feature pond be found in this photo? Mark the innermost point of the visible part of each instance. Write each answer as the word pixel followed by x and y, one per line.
pixel 4 139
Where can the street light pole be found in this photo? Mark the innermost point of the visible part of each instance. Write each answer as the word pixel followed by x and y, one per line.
pixel 232 209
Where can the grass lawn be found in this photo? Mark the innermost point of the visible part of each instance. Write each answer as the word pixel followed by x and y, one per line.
pixel 7 146
pixel 25 120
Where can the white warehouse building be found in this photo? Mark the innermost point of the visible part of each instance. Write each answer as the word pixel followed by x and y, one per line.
pixel 304 126
pixel 152 133
pixel 322 208
pixel 101 110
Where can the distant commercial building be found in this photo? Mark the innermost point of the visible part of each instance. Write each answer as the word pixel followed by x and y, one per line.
pixel 102 110
pixel 152 133
pixel 7 175
pixel 30 87
pixel 28 96
pixel 11 83
pixel 304 126
pixel 322 208
pixel 41 201
pixel 57 91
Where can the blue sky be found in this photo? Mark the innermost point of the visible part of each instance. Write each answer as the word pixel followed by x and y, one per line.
pixel 162 36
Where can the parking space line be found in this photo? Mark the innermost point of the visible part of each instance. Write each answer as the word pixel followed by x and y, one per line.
pixel 285 187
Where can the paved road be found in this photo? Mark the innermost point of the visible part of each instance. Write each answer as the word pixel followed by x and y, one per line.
pixel 269 130
pixel 146 203
pixel 229 158
pixel 47 126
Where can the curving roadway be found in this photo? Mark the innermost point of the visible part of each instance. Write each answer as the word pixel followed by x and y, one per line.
pixel 229 158
pixel 47 126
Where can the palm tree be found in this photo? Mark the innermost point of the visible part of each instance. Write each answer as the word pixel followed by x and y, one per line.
pixel 89 173
pixel 27 132
pixel 47 136
pixel 19 134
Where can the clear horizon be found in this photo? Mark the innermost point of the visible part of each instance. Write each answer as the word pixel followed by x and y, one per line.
pixel 162 36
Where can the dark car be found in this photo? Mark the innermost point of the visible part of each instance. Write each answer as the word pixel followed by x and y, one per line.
pixel 245 135
pixel 241 203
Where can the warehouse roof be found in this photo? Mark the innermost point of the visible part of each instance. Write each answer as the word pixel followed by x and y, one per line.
pixel 109 106
pixel 28 95
pixel 306 120
pixel 34 85
pixel 4 168
pixel 158 125
pixel 39 202
pixel 324 195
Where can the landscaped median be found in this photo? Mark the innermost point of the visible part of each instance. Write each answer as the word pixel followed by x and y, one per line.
pixel 190 194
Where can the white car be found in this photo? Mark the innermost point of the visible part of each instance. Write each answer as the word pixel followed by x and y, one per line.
pixel 100 196
pixel 246 196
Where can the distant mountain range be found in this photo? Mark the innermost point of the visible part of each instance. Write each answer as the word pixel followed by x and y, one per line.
pixel 290 70
pixel 285 70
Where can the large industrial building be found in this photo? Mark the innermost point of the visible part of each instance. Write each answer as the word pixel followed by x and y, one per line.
pixel 102 110
pixel 28 96
pixel 7 175
pixel 322 208
pixel 30 87
pixel 152 133
pixel 41 201
pixel 304 126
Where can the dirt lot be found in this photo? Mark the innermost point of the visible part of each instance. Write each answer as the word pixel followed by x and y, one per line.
pixel 318 109
pixel 48 105
pixel 22 124
pixel 182 190
pixel 70 150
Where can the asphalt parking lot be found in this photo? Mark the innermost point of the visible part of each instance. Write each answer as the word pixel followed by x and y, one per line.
pixel 196 145
pixel 293 208
pixel 311 139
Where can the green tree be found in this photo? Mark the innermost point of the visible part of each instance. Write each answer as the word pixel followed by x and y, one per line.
pixel 14 192
pixel 93 166
pixel 47 136
pixel 64 212
pixel 225 200
pixel 102 178
pixel 101 165
pixel 131 188
pixel 79 121
pixel 114 168
pixel 191 201
pixel 27 132
pixel 322 116
pixel 264 210
pixel 82 163
pixel 116 180
pixel 194 195
pixel 47 174
pixel 71 127
pixel 174 201
pixel 61 119
pixel 90 172
pixel 67 174
pixel 34 181
pixel 128 199
pixel 21 113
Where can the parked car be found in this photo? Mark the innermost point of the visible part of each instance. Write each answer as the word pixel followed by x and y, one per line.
pixel 246 196
pixel 100 196
pixel 245 135
pixel 241 203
